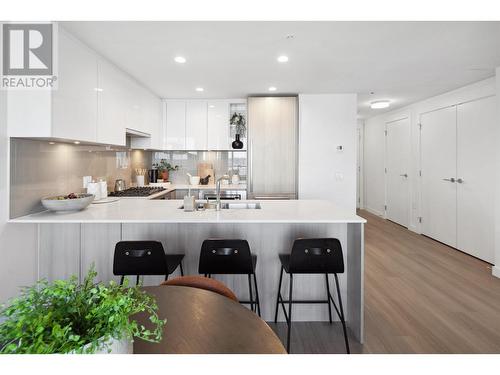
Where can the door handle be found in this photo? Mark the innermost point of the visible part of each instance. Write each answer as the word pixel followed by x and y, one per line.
pixel 449 179
pixel 404 175
pixel 460 181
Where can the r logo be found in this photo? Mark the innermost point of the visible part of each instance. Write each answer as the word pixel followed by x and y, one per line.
pixel 27 49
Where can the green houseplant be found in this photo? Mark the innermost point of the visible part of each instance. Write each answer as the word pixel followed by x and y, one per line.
pixel 165 167
pixel 68 317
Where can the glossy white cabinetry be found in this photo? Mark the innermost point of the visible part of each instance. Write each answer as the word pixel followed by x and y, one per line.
pixel 196 125
pixel 94 102
pixel 112 101
pixel 74 103
pixel 175 123
pixel 218 137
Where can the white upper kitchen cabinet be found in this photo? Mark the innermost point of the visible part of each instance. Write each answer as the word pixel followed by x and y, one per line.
pixel 112 102
pixel 74 102
pixel 196 125
pixel 218 137
pixel 175 125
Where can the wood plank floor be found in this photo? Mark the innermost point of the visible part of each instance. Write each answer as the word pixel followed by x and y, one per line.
pixel 420 297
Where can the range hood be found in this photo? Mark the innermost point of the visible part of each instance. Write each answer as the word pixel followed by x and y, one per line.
pixel 136 133
pixel 137 139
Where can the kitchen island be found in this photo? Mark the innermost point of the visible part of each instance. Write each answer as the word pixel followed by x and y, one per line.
pixel 69 243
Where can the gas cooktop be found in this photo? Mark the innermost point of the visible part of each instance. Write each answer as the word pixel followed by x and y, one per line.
pixel 137 192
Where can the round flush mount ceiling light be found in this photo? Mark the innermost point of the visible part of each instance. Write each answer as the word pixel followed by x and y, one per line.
pixel 282 59
pixel 199 89
pixel 180 59
pixel 272 88
pixel 379 104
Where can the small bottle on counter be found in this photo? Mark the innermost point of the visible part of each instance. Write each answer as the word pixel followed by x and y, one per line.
pixel 189 202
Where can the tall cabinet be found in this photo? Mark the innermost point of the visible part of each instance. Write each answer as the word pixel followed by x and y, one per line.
pixel 272 150
pixel 457 163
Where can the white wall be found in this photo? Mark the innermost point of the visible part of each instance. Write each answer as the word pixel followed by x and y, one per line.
pixel 496 268
pixel 17 242
pixel 374 152
pixel 325 122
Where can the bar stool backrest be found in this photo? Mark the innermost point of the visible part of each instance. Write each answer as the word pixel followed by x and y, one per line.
pixel 317 255
pixel 139 258
pixel 221 256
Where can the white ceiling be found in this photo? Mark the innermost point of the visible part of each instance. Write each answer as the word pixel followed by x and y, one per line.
pixel 399 61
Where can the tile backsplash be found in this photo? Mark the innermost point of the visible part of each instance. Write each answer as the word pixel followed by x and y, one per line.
pixel 39 169
pixel 223 162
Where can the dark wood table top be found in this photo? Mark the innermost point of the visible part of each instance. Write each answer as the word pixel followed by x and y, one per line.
pixel 203 322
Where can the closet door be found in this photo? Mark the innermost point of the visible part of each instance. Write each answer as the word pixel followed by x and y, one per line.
pixel 439 170
pixel 475 177
pixel 397 162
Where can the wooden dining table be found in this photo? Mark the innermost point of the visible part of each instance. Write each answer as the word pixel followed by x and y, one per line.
pixel 204 322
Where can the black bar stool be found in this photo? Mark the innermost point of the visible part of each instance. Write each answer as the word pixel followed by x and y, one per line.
pixel 312 256
pixel 230 257
pixel 144 258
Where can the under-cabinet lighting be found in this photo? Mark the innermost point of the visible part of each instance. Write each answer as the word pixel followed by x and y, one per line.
pixel 76 142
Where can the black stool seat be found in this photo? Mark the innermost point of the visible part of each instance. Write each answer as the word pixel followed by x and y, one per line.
pixel 141 258
pixel 230 257
pixel 312 256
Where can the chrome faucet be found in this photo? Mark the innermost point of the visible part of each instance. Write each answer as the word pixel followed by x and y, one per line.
pixel 217 191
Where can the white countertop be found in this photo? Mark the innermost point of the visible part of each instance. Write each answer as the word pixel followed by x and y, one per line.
pixel 167 211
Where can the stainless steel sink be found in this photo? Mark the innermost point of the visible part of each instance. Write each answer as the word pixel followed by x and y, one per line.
pixel 240 206
pixel 227 206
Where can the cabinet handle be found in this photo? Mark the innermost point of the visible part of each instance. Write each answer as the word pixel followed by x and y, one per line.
pixel 250 155
pixel 404 175
pixel 460 181
pixel 449 179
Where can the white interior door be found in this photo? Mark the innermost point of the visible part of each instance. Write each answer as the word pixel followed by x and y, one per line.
pixel 397 176
pixel 439 171
pixel 475 178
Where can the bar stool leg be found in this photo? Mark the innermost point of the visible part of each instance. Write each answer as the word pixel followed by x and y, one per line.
pixel 328 298
pixel 137 280
pixel 256 293
pixel 289 315
pixel 122 279
pixel 180 266
pixel 250 289
pixel 278 296
pixel 342 319
pixel 166 276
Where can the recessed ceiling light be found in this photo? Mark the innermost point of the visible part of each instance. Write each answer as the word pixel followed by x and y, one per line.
pixel 76 142
pixel 379 104
pixel 282 59
pixel 180 59
pixel 199 89
pixel 211 106
pixel 272 88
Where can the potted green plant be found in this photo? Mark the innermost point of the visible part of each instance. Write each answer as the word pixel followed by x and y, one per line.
pixel 68 317
pixel 238 123
pixel 164 168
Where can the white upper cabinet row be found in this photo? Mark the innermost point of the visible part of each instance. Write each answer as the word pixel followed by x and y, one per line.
pixel 198 124
pixel 94 102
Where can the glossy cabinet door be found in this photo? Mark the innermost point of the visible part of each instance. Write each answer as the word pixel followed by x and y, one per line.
pixel 218 137
pixel 175 119
pixel 112 104
pixel 196 125
pixel 74 103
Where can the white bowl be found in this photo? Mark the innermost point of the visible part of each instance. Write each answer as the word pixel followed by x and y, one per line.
pixel 53 204
pixel 194 180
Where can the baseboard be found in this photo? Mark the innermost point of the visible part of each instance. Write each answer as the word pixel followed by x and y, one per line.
pixel 375 212
pixel 495 271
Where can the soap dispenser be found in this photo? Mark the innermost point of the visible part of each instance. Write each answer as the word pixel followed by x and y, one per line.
pixel 189 202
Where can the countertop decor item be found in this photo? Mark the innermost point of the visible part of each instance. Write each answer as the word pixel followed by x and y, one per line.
pixel 120 185
pixel 204 180
pixel 84 318
pixel 165 168
pixel 70 202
